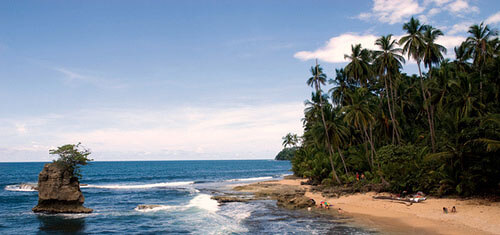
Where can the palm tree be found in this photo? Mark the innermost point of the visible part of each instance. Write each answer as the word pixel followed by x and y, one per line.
pixel 413 45
pixel 340 89
pixel 318 79
pixel 413 42
pixel 481 49
pixel 432 54
pixel 388 62
pixel 359 114
pixel 462 55
pixel 290 140
pixel 359 68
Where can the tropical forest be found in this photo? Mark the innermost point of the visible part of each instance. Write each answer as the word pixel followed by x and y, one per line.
pixel 437 131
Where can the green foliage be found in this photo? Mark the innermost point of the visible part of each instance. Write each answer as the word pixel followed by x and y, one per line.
pixel 71 157
pixel 403 167
pixel 437 131
pixel 286 154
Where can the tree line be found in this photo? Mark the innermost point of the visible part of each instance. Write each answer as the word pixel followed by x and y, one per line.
pixel 437 131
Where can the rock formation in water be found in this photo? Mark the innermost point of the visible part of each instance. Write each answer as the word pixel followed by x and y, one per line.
pixel 59 191
pixel 147 207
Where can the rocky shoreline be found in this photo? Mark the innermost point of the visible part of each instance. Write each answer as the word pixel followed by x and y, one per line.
pixel 473 216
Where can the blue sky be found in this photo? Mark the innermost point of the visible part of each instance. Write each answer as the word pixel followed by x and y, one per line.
pixel 169 80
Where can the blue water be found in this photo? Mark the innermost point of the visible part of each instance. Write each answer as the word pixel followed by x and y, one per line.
pixel 183 188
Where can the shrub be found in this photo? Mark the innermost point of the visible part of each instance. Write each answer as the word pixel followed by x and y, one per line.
pixel 71 157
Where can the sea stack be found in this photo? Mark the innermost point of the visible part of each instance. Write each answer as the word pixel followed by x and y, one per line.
pixel 59 191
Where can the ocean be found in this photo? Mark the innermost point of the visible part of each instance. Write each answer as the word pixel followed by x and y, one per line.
pixel 183 188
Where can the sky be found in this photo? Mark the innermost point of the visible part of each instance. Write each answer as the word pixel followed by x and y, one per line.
pixel 185 80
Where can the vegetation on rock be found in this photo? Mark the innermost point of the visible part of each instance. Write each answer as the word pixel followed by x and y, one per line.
pixel 71 157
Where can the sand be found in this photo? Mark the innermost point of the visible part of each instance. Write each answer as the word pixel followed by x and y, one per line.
pixel 473 216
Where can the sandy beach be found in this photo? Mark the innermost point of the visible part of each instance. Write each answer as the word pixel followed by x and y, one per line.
pixel 473 216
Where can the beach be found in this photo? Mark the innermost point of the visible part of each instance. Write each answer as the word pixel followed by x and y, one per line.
pixel 473 216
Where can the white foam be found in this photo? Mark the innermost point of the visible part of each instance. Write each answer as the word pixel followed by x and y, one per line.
pixel 21 187
pixel 139 186
pixel 250 179
pixel 202 201
pixel 159 208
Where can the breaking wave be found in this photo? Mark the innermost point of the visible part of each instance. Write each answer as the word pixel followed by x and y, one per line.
pixel 139 186
pixel 21 187
pixel 250 179
pixel 202 201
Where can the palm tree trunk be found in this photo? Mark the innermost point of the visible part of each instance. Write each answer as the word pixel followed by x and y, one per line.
pixel 426 109
pixel 390 110
pixel 372 149
pixel 343 160
pixel 396 129
pixel 330 149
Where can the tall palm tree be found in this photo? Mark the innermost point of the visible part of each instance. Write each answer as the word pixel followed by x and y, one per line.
pixel 413 42
pixel 319 78
pixel 462 55
pixel 360 114
pixel 340 89
pixel 388 62
pixel 480 47
pixel 359 67
pixel 413 45
pixel 432 54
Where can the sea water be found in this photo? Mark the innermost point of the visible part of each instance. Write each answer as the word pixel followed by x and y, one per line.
pixel 183 189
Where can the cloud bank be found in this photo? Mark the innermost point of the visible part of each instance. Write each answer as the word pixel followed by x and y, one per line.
pixel 175 133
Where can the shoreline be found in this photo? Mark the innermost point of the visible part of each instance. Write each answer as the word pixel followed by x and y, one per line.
pixel 474 216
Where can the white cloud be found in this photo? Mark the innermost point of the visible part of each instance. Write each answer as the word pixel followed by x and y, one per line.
pixel 251 131
pixel 433 11
pixel 336 47
pixel 437 2
pixel 450 41
pixel 460 27
pixel 493 19
pixel 398 11
pixel 461 7
pixel 392 11
pixel 21 128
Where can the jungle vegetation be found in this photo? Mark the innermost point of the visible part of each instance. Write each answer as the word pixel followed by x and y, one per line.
pixel 437 131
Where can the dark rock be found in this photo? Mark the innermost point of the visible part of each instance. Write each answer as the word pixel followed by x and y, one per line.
pixel 295 201
pixel 225 198
pixel 59 191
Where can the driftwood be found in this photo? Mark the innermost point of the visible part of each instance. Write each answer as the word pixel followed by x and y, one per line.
pixel 406 201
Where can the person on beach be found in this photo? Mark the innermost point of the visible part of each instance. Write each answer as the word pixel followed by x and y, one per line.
pixel 362 176
pixel 357 176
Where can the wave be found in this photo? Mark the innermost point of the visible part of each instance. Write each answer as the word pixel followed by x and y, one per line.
pixel 250 179
pixel 139 186
pixel 202 201
pixel 31 187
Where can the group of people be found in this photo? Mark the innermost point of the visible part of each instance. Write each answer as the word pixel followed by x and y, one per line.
pixel 453 210
pixel 358 176
pixel 326 205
